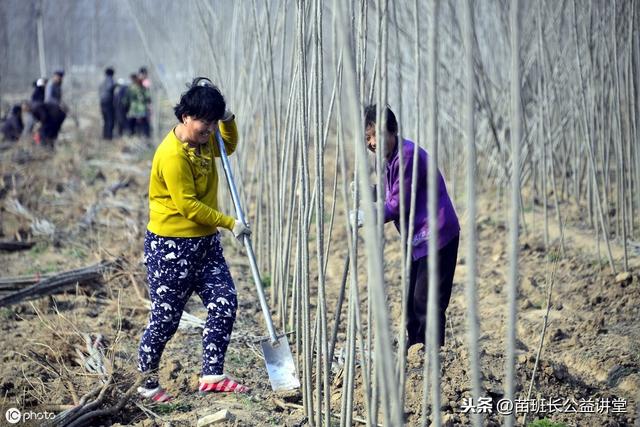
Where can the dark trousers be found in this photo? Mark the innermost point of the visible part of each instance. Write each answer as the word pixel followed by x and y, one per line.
pixel 50 127
pixel 418 292
pixel 177 267
pixel 140 126
pixel 108 119
pixel 121 122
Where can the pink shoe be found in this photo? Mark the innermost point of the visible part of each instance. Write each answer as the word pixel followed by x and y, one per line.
pixel 154 395
pixel 224 385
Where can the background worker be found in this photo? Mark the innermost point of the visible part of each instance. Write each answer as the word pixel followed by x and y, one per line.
pixel 107 107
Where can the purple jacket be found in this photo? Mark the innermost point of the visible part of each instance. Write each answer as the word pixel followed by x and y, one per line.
pixel 448 226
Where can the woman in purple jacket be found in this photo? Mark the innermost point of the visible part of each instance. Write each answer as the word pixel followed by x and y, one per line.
pixel 448 226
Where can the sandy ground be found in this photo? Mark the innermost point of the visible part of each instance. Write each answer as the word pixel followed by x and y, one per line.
pixel 591 351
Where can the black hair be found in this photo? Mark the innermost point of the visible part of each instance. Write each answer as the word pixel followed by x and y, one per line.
pixel 370 117
pixel 109 71
pixel 142 70
pixel 16 109
pixel 203 100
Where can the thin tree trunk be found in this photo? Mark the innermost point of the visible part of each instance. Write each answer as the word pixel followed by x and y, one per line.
pixel 512 292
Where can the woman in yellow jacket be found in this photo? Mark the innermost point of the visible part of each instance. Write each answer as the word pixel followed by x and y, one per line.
pixel 182 248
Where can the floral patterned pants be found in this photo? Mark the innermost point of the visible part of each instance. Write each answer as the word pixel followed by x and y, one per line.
pixel 176 267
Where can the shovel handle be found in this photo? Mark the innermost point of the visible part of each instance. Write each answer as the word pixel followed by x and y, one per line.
pixel 246 239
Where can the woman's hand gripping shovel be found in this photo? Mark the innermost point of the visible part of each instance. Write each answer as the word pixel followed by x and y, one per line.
pixel 276 350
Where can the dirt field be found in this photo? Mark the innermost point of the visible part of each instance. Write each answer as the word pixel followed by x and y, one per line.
pixel 94 193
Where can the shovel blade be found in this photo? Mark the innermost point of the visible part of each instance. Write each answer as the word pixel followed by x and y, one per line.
pixel 280 366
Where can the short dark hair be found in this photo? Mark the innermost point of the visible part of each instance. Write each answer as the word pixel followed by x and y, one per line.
pixel 109 71
pixel 203 100
pixel 370 117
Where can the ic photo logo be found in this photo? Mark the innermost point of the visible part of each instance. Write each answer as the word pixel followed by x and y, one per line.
pixel 13 415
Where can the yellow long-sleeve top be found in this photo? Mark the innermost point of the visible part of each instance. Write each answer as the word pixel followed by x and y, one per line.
pixel 183 187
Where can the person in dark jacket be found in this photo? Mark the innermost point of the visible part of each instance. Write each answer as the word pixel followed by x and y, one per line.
pixel 37 97
pixel 107 104
pixel 50 115
pixel 53 89
pixel 121 107
pixel 38 90
pixel 12 125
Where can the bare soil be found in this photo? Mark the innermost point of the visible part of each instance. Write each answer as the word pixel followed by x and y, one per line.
pixel 591 349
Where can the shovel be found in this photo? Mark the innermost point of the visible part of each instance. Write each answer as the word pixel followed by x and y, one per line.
pixel 276 350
